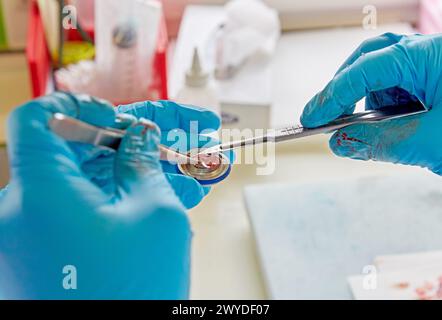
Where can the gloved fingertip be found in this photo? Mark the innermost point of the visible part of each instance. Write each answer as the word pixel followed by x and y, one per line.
pixel 206 190
pixel 138 153
pixel 94 110
pixel 320 110
pixel 143 134
pixel 346 145
pixel 124 121
pixel 187 189
pixel 307 119
pixel 313 118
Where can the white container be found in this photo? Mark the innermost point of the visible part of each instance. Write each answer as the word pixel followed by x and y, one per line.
pixel 199 88
pixel 126 34
pixel 245 99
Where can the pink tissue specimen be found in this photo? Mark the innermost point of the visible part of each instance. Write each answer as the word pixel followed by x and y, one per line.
pixel 429 291
pixel 209 161
pixel 402 285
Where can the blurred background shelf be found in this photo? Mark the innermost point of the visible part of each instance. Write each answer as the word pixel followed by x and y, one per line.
pixel 14 86
pixel 14 90
pixel 14 79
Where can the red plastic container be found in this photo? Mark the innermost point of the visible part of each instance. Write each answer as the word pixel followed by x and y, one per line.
pixel 158 86
pixel 37 53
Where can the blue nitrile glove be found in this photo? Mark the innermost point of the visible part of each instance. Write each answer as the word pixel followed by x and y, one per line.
pixel 63 237
pixel 180 126
pixel 388 70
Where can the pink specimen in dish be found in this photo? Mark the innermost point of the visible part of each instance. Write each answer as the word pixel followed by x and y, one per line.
pixel 210 161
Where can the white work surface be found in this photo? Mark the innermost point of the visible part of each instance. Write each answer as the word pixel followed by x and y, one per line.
pixel 224 260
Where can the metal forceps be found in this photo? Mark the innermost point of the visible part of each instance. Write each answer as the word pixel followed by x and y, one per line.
pixel 298 131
